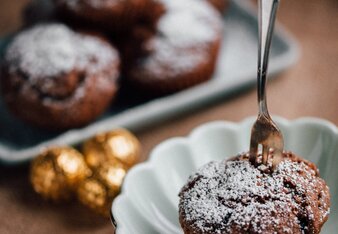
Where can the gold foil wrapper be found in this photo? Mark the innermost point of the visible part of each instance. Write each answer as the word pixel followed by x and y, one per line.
pixel 118 146
pixel 57 171
pixel 99 191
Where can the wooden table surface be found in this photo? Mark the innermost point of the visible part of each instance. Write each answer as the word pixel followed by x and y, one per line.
pixel 308 89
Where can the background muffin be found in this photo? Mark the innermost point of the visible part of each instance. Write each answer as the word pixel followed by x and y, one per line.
pixel 55 78
pixel 182 51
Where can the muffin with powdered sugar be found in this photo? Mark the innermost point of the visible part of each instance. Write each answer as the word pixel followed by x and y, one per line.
pixel 181 52
pixel 234 196
pixel 55 78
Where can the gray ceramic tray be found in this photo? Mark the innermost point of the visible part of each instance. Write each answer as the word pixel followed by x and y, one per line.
pixel 236 70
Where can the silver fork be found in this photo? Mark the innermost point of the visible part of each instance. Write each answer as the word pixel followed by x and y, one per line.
pixel 266 138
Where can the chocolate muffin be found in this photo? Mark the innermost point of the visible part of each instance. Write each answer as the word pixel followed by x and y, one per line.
pixel 181 53
pixel 55 78
pixel 234 196
pixel 109 15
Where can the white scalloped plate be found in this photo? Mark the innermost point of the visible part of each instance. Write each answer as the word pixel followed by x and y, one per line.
pixel 149 199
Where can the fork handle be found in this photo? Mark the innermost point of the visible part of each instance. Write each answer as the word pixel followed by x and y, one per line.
pixel 266 16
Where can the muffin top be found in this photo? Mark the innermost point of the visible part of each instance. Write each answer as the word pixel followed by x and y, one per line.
pixel 236 197
pixel 52 55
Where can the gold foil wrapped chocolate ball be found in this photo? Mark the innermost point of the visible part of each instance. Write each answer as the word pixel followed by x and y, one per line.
pixel 56 172
pixel 99 191
pixel 118 146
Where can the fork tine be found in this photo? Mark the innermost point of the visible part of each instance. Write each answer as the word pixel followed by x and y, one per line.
pixel 265 154
pixel 253 151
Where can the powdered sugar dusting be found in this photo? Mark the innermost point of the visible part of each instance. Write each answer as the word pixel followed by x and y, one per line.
pixel 43 51
pixel 170 61
pixel 186 26
pixel 50 50
pixel 223 196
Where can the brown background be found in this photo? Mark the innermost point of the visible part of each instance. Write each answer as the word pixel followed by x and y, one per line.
pixel 308 89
